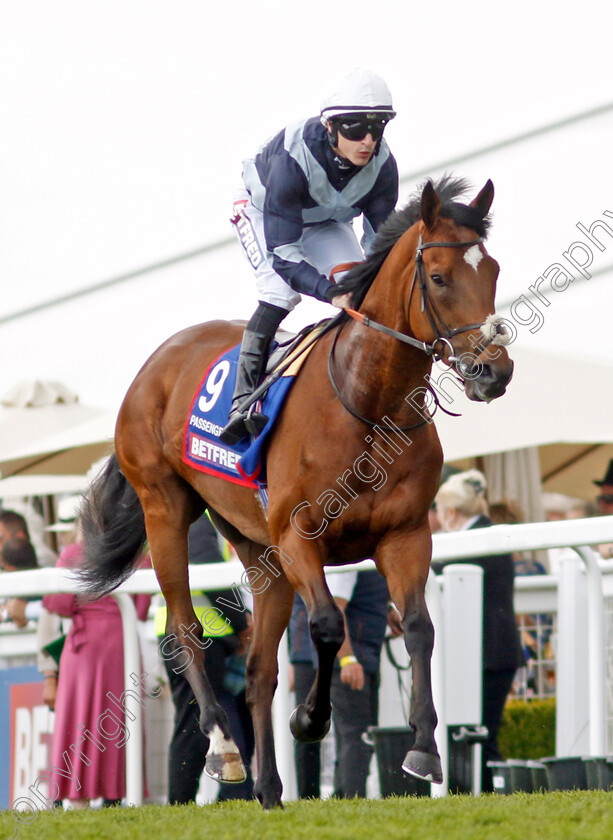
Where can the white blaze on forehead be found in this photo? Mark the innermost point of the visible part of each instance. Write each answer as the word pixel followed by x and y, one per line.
pixel 473 256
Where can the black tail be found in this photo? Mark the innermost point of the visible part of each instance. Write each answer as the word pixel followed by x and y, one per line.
pixel 114 534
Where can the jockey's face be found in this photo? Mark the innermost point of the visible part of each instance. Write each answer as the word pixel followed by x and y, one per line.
pixel 358 152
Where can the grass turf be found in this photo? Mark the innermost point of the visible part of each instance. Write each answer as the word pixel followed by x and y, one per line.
pixel 576 815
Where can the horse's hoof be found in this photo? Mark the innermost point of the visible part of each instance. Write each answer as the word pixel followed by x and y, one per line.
pixel 424 766
pixel 268 802
pixel 303 729
pixel 225 767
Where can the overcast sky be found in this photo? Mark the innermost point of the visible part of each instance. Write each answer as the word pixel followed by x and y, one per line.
pixel 125 123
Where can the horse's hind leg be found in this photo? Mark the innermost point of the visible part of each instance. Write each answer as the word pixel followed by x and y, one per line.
pixel 168 510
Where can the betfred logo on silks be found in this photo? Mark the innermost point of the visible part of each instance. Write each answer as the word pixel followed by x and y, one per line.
pixel 246 235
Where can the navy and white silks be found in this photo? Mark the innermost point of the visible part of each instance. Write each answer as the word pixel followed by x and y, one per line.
pixel 294 214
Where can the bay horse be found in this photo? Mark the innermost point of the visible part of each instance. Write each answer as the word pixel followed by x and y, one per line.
pixel 353 467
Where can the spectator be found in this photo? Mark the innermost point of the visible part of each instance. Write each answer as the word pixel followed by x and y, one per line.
pixel 91 666
pixel 17 555
pixel 303 659
pixel 12 524
pixel 604 500
pixel 508 513
pixel 224 663
pixel 29 524
pixel 364 600
pixel 558 508
pixel 461 505
pixel 605 497
pixel 435 525
pixel 49 628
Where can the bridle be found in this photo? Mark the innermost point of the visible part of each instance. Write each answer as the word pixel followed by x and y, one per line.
pixel 496 332
pixel 445 335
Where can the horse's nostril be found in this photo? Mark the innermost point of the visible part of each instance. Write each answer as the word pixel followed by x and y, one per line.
pixel 466 369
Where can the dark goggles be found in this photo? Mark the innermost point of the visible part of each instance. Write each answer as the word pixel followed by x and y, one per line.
pixel 605 498
pixel 357 128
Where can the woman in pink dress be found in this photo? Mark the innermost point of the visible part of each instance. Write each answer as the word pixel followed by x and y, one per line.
pixel 88 753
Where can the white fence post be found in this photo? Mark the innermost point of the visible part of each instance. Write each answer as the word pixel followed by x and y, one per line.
pixel 133 717
pixel 572 702
pixel 281 711
pixel 596 644
pixel 435 608
pixel 463 621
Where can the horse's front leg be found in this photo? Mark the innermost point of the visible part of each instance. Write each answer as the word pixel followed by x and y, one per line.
pixel 310 721
pixel 404 559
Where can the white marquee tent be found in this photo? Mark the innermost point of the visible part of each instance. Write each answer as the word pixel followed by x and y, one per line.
pixel 45 430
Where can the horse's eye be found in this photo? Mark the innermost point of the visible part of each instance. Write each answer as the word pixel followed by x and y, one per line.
pixel 437 279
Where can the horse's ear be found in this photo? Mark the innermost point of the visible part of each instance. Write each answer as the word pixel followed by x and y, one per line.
pixel 430 205
pixel 483 201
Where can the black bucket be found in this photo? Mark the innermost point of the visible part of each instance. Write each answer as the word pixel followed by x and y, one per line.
pixel 391 746
pixel 521 776
pixel 539 775
pixel 460 758
pixel 566 773
pixel 599 772
pixel 501 776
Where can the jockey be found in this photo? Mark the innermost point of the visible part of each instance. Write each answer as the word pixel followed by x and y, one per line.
pixel 294 216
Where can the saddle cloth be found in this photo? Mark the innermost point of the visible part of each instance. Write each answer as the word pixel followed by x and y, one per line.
pixel 243 463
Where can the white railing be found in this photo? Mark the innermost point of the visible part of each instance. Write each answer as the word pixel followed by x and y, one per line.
pixel 534 594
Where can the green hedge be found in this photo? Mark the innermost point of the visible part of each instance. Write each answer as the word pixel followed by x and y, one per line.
pixel 528 729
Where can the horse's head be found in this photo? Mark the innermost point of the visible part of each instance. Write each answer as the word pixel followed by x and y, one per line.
pixel 450 286
pixel 430 283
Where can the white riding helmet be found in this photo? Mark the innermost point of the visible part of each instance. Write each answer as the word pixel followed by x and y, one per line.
pixel 361 90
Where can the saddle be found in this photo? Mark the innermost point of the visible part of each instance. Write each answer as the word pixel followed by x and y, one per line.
pixel 287 343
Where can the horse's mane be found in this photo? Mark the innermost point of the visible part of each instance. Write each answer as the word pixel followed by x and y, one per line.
pixel 358 280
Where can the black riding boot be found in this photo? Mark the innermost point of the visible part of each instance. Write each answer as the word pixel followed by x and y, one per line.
pixel 251 363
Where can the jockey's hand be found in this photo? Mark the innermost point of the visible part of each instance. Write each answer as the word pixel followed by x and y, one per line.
pixel 342 301
pixel 353 675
